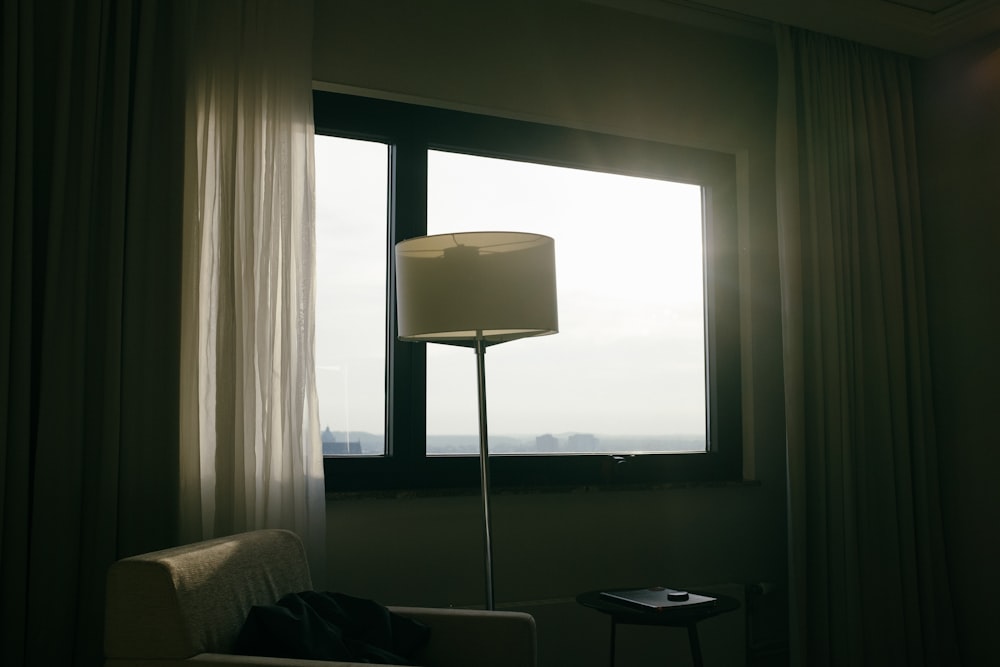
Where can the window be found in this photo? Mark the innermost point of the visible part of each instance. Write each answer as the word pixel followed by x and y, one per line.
pixel 351 269
pixel 642 382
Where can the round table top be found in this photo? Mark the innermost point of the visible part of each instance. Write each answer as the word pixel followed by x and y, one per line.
pixel 671 616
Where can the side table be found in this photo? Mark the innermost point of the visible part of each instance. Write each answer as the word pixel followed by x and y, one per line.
pixel 675 617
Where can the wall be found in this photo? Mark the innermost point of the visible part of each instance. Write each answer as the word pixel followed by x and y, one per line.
pixel 591 67
pixel 958 113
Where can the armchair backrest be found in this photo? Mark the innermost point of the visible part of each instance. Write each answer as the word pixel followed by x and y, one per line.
pixel 194 599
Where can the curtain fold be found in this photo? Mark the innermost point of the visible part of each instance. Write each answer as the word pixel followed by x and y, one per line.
pixel 867 565
pixel 89 306
pixel 250 448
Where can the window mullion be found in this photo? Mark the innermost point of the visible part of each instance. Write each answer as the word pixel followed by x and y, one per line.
pixel 407 362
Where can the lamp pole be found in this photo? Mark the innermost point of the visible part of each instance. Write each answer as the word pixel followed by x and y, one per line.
pixel 484 467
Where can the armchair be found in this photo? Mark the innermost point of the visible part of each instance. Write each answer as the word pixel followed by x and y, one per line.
pixel 185 606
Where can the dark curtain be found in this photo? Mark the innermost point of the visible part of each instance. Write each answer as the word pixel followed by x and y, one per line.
pixel 90 229
pixel 867 562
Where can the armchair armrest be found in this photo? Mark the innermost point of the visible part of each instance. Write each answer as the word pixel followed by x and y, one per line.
pixel 461 637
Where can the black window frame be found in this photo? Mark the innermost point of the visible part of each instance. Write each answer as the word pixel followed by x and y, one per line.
pixel 410 131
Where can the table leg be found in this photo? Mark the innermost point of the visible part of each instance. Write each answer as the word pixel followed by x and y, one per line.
pixel 611 661
pixel 695 645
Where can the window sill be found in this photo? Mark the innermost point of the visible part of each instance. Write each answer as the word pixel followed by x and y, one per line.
pixel 567 489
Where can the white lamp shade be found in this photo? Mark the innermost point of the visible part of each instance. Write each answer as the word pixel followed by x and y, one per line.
pixel 455 288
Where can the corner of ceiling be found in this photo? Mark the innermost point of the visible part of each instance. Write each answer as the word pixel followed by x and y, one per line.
pixel 921 28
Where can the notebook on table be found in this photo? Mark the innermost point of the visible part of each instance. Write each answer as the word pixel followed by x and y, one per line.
pixel 658 598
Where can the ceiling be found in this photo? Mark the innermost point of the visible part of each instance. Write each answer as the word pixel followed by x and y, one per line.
pixel 921 28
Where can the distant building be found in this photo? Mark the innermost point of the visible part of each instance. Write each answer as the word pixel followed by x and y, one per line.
pixel 547 443
pixel 341 448
pixel 331 447
pixel 582 442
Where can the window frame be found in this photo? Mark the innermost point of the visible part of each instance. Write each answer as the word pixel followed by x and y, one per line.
pixel 411 130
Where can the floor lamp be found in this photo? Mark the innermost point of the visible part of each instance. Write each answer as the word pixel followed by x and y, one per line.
pixel 476 289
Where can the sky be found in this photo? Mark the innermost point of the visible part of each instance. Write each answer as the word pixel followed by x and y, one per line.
pixel 628 358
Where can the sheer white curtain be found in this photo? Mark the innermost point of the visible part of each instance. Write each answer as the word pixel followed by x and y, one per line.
pixel 869 585
pixel 250 446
